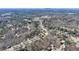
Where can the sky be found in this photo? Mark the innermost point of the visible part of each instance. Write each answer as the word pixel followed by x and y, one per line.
pixel 39 3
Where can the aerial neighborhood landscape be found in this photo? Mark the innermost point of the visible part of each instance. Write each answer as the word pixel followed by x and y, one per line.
pixel 39 29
